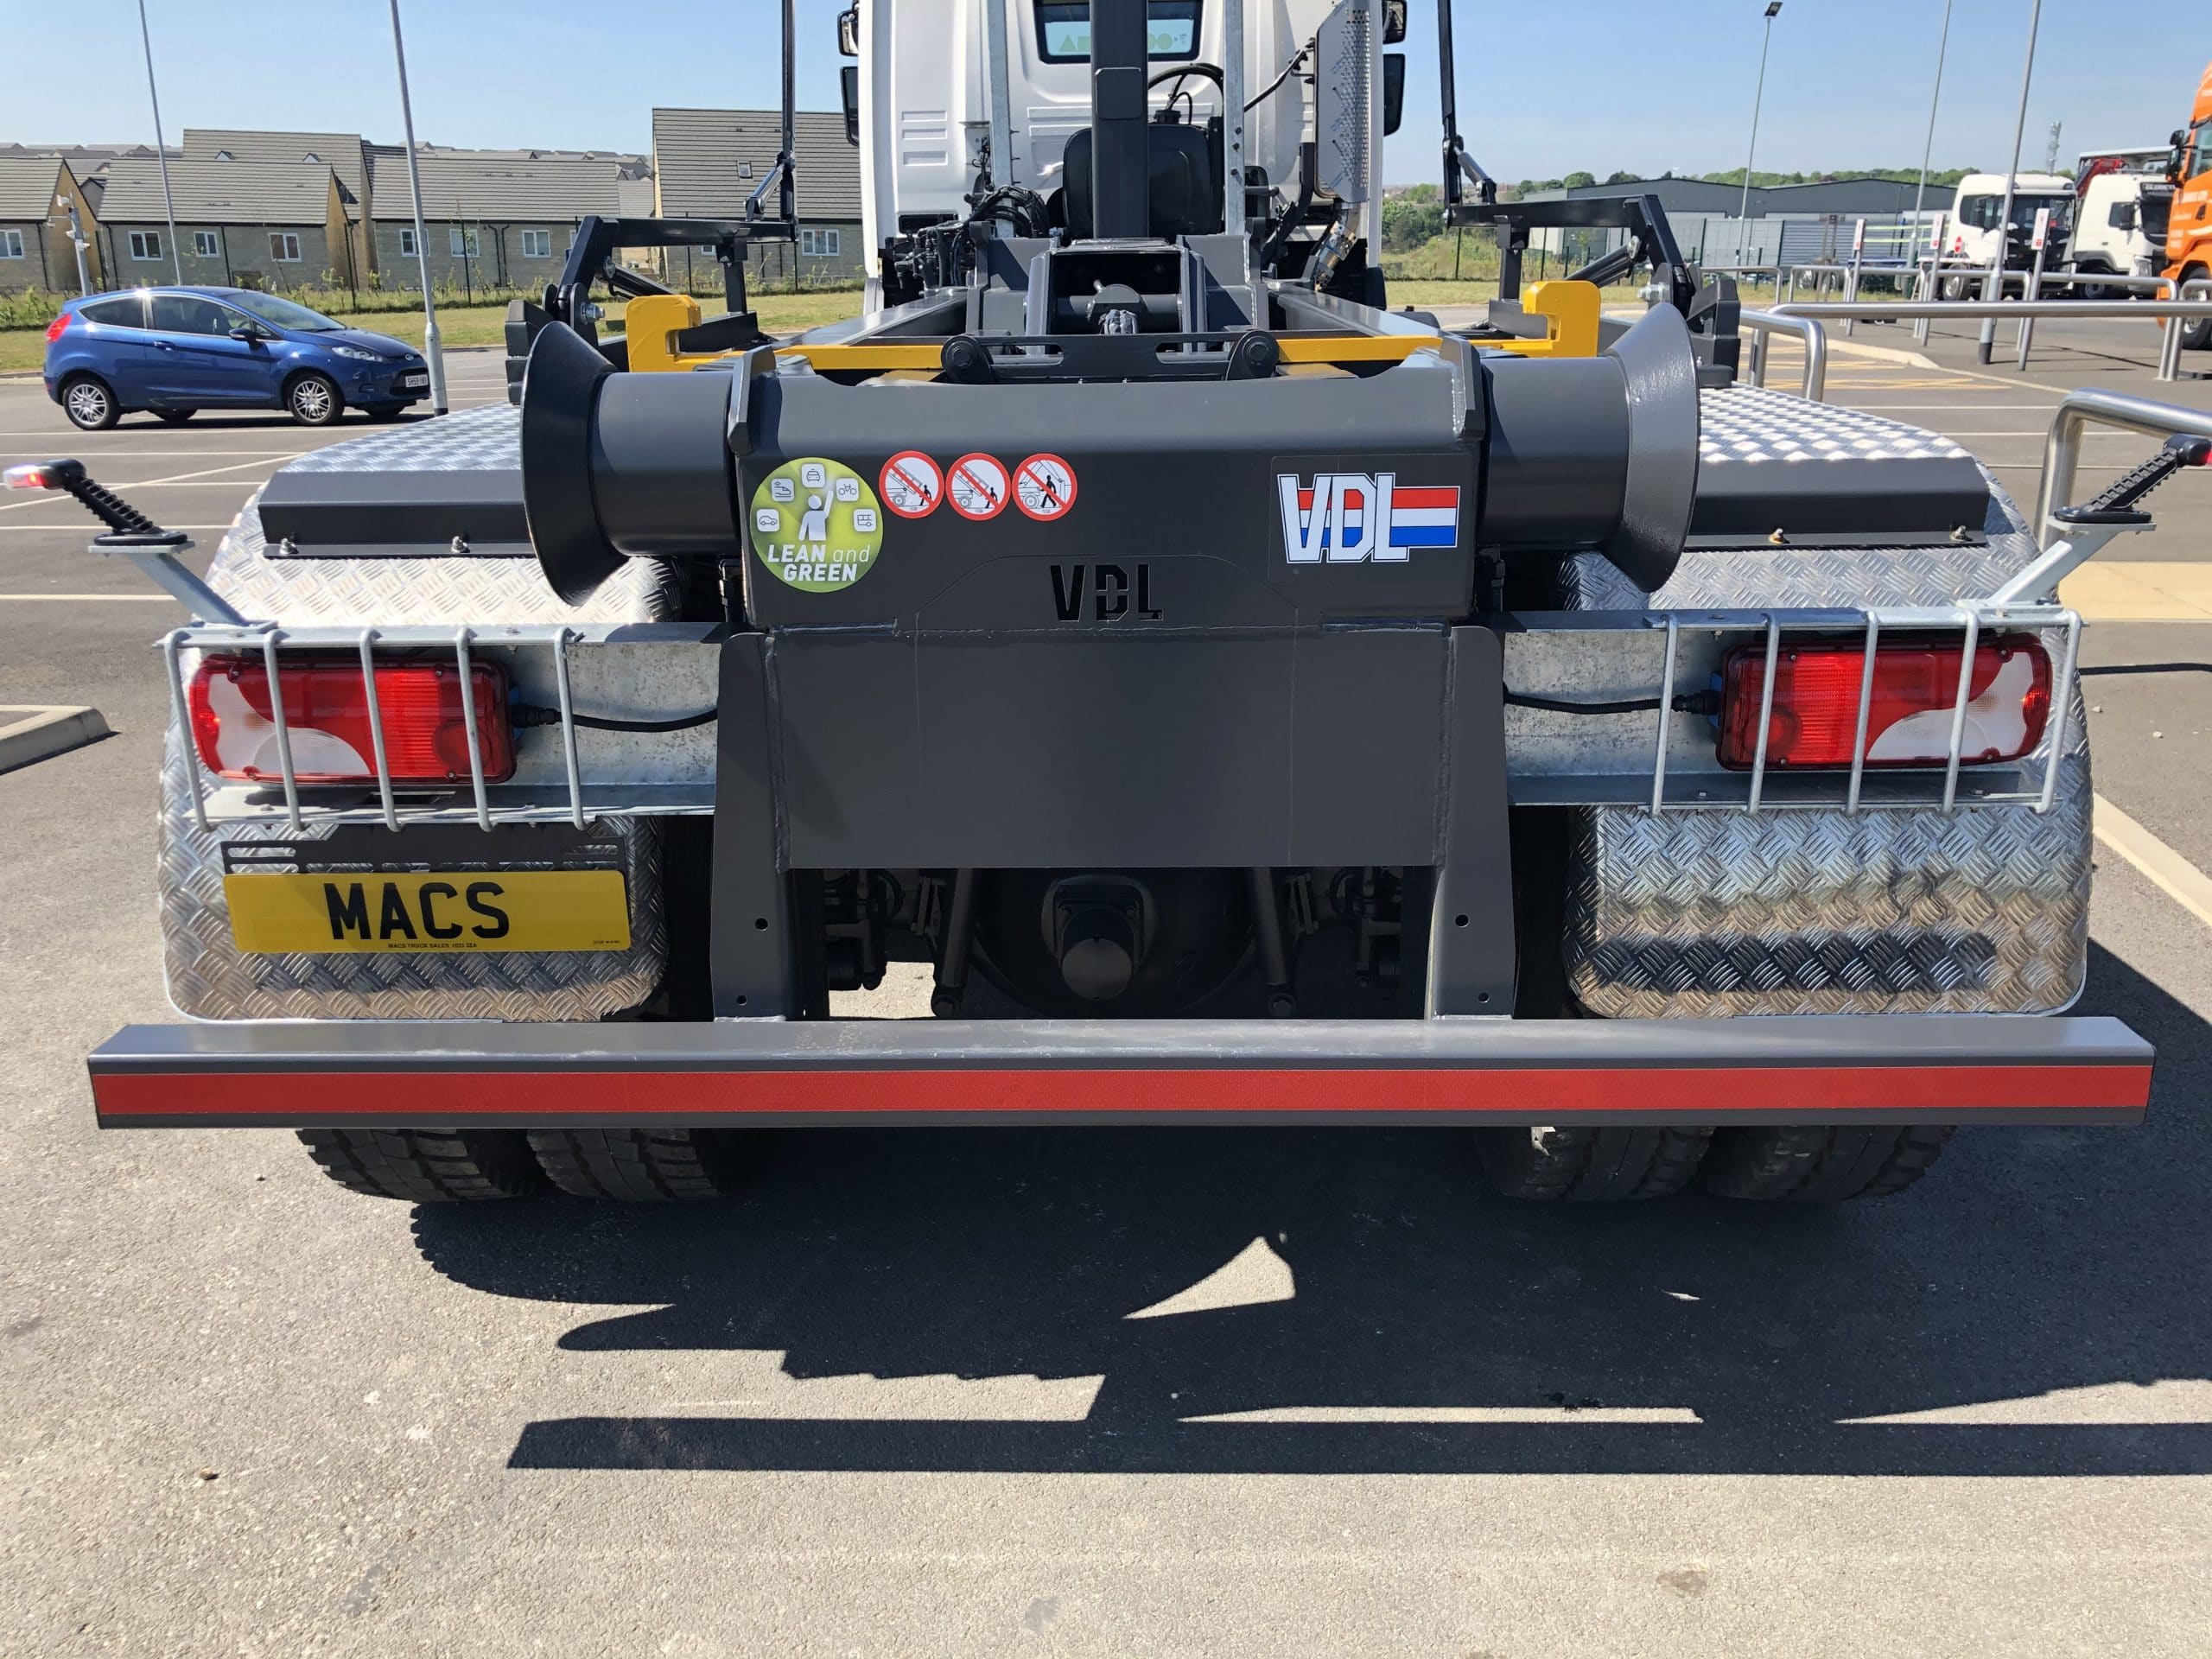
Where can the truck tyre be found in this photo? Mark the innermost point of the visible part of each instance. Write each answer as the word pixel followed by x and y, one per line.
pixel 427 1165
pixel 1820 1164
pixel 636 1166
pixel 1590 1165
pixel 2195 336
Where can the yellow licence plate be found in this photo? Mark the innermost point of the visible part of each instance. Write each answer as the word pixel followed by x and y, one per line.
pixel 477 910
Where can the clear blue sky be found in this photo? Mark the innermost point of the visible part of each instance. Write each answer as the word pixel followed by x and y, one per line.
pixel 1544 88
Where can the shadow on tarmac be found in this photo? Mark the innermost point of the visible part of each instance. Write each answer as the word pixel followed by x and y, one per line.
pixel 2030 1261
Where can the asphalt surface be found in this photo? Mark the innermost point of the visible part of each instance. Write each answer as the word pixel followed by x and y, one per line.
pixel 892 1401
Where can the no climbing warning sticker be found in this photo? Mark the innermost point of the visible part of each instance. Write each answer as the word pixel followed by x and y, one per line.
pixel 911 485
pixel 977 487
pixel 1044 488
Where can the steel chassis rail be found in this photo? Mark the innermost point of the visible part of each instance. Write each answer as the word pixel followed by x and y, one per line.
pixel 1866 1069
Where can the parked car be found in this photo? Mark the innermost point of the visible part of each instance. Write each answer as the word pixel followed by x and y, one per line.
pixel 177 351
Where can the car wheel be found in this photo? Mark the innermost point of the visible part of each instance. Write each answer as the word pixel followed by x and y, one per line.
pixel 89 403
pixel 175 416
pixel 314 400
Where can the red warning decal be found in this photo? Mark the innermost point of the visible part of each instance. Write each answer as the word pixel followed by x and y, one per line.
pixel 1044 488
pixel 911 484
pixel 977 486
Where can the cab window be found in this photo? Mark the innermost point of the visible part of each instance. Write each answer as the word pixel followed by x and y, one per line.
pixel 1063 30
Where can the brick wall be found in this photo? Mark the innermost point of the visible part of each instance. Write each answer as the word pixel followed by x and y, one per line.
pixel 241 257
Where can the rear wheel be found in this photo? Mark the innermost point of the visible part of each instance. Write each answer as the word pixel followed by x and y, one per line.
pixel 175 416
pixel 1818 1164
pixel 427 1165
pixel 313 399
pixel 89 402
pixel 1590 1165
pixel 639 1166
pixel 2197 336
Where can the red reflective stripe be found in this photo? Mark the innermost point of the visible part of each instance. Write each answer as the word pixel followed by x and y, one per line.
pixel 1945 1093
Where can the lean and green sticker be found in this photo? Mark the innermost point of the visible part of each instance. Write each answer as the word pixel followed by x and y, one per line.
pixel 818 525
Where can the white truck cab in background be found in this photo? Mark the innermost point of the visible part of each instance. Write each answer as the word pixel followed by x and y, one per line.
pixel 2119 229
pixel 1980 204
pixel 929 117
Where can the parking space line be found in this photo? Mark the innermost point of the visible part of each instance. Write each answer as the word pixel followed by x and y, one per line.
pixel 138 454
pixel 2180 880
pixel 89 598
pixel 67 524
pixel 148 483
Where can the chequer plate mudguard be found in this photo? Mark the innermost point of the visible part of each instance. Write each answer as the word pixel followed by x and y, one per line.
pixel 1874 1069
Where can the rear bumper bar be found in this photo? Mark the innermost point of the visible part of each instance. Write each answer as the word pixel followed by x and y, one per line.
pixel 1870 1068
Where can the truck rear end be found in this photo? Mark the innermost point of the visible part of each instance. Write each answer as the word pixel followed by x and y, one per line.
pixel 1248 705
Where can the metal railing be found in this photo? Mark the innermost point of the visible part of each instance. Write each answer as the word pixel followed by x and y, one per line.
pixel 1761 324
pixel 2062 452
pixel 2022 310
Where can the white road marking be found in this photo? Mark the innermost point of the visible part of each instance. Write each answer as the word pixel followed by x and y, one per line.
pixel 2180 881
pixel 136 455
pixel 50 529
pixel 102 599
pixel 1562 1415
pixel 2166 1401
pixel 144 483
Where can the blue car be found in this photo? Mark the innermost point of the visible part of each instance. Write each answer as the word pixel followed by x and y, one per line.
pixel 173 352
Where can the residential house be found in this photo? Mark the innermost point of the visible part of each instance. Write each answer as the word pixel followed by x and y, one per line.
pixel 38 195
pixel 493 219
pixel 346 154
pixel 271 224
pixel 706 163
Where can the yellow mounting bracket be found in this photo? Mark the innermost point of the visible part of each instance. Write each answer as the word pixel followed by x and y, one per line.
pixel 1570 309
pixel 648 323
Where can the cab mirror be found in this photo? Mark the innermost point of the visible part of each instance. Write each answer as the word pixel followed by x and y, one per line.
pixel 1394 21
pixel 849 32
pixel 849 88
pixel 1393 89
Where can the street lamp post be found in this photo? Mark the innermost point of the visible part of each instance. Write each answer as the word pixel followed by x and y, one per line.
pixel 161 149
pixel 1928 151
pixel 432 354
pixel 1993 287
pixel 1758 96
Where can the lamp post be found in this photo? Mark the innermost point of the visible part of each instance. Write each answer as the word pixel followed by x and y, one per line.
pixel 1993 287
pixel 76 243
pixel 1758 96
pixel 1935 100
pixel 161 149
pixel 432 354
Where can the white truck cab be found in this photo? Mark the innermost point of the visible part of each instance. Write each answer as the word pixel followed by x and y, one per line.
pixel 951 90
pixel 2119 229
pixel 1980 204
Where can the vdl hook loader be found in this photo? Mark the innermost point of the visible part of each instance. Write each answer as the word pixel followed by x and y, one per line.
pixel 1255 705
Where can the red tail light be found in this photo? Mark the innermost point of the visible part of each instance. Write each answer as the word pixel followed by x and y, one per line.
pixel 60 321
pixel 1816 689
pixel 327 716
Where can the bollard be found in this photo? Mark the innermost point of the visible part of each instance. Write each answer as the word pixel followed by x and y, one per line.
pixel 1928 294
pixel 2035 281
pixel 1850 280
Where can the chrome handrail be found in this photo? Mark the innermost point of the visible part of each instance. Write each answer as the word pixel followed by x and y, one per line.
pixel 2062 450
pixel 1815 385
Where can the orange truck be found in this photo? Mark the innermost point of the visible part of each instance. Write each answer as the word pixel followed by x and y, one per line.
pixel 2188 230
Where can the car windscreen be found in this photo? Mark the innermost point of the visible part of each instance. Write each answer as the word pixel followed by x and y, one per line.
pixel 283 314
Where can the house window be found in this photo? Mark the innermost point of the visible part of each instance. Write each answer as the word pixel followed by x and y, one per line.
pixel 819 245
pixel 284 247
pixel 145 245
pixel 11 245
pixel 462 244
pixel 407 245
pixel 204 244
pixel 537 244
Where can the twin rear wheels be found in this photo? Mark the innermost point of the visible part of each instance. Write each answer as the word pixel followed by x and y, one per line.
pixel 1805 1164
pixel 459 1166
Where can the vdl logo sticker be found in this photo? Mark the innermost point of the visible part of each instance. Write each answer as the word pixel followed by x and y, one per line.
pixel 818 525
pixel 1355 518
